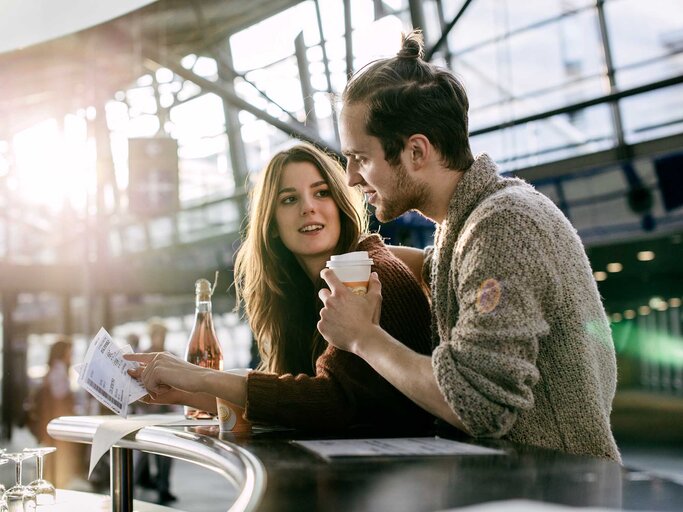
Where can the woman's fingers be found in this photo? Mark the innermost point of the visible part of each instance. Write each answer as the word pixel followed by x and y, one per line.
pixel 374 295
pixel 136 372
pixel 139 357
pixel 161 371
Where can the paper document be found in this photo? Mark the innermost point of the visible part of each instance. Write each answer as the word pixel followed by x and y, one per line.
pixel 104 374
pixel 401 446
pixel 112 430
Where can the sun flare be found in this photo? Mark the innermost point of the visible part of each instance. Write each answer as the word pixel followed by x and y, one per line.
pixel 52 163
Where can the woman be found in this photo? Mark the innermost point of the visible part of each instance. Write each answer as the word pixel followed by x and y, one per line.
pixel 53 399
pixel 302 213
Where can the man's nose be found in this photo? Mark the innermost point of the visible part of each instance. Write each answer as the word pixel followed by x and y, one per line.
pixel 353 177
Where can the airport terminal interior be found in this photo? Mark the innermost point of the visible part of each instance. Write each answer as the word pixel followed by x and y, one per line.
pixel 129 145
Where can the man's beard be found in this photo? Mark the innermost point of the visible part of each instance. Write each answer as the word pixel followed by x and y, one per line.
pixel 406 195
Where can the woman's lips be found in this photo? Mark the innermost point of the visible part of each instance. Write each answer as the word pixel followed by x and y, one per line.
pixel 317 228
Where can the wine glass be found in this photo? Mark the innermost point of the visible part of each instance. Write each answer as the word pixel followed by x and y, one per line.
pixel 45 491
pixel 3 503
pixel 3 460
pixel 19 498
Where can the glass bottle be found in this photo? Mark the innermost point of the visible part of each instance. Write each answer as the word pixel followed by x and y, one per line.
pixel 203 348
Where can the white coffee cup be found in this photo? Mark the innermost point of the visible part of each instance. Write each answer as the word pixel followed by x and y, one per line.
pixel 230 416
pixel 352 269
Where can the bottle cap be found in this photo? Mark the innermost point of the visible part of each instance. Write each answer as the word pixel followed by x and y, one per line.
pixel 202 289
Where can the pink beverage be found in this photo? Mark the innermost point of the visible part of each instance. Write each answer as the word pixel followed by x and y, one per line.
pixel 203 348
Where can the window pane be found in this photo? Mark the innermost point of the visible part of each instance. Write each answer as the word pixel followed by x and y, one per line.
pixel 555 138
pixel 646 38
pixel 653 115
pixel 485 20
pixel 504 83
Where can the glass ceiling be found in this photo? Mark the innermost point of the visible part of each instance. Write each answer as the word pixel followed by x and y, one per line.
pixel 547 80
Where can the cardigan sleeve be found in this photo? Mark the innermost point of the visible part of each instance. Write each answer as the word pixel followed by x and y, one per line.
pixel 486 370
pixel 427 264
pixel 304 401
pixel 345 390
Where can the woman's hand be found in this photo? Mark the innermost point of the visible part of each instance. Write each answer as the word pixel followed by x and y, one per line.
pixel 171 397
pixel 171 380
pixel 163 372
pixel 200 401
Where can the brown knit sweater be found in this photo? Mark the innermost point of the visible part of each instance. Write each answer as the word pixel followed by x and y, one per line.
pixel 345 391
pixel 524 346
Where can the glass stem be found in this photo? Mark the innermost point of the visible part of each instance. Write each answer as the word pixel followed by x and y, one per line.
pixel 39 466
pixel 17 465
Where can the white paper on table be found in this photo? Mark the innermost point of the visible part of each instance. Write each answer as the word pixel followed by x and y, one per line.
pixel 402 446
pixel 523 506
pixel 111 431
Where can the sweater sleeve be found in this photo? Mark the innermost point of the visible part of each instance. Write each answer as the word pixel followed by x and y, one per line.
pixel 345 391
pixel 427 264
pixel 302 401
pixel 486 370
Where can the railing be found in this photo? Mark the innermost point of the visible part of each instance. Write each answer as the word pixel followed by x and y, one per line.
pixel 244 471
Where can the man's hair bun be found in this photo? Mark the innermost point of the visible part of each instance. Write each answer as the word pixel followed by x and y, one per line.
pixel 412 45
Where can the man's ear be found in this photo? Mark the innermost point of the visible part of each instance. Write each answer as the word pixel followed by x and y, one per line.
pixel 418 150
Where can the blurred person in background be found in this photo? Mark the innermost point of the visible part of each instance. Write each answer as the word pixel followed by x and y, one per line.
pixel 302 213
pixel 52 399
pixel 143 476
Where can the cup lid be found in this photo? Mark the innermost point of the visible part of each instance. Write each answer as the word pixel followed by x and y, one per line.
pixel 350 259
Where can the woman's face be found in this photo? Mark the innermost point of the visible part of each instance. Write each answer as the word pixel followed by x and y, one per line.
pixel 306 216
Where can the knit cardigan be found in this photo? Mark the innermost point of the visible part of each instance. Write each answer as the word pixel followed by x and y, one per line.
pixel 524 349
pixel 345 391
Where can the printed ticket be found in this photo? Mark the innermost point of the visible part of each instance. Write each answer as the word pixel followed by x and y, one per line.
pixel 104 374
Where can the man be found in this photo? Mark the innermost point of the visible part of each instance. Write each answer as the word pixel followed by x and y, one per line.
pixel 161 482
pixel 523 348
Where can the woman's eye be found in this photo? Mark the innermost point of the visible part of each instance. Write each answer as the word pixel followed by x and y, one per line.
pixel 324 193
pixel 287 200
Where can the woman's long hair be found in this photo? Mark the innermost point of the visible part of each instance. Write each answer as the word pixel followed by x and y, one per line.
pixel 280 301
pixel 59 351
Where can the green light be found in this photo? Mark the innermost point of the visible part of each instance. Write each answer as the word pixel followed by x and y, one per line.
pixel 653 346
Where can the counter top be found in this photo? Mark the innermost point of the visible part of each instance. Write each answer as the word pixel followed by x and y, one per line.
pixel 298 480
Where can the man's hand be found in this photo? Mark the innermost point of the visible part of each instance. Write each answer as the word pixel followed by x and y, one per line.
pixel 346 318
